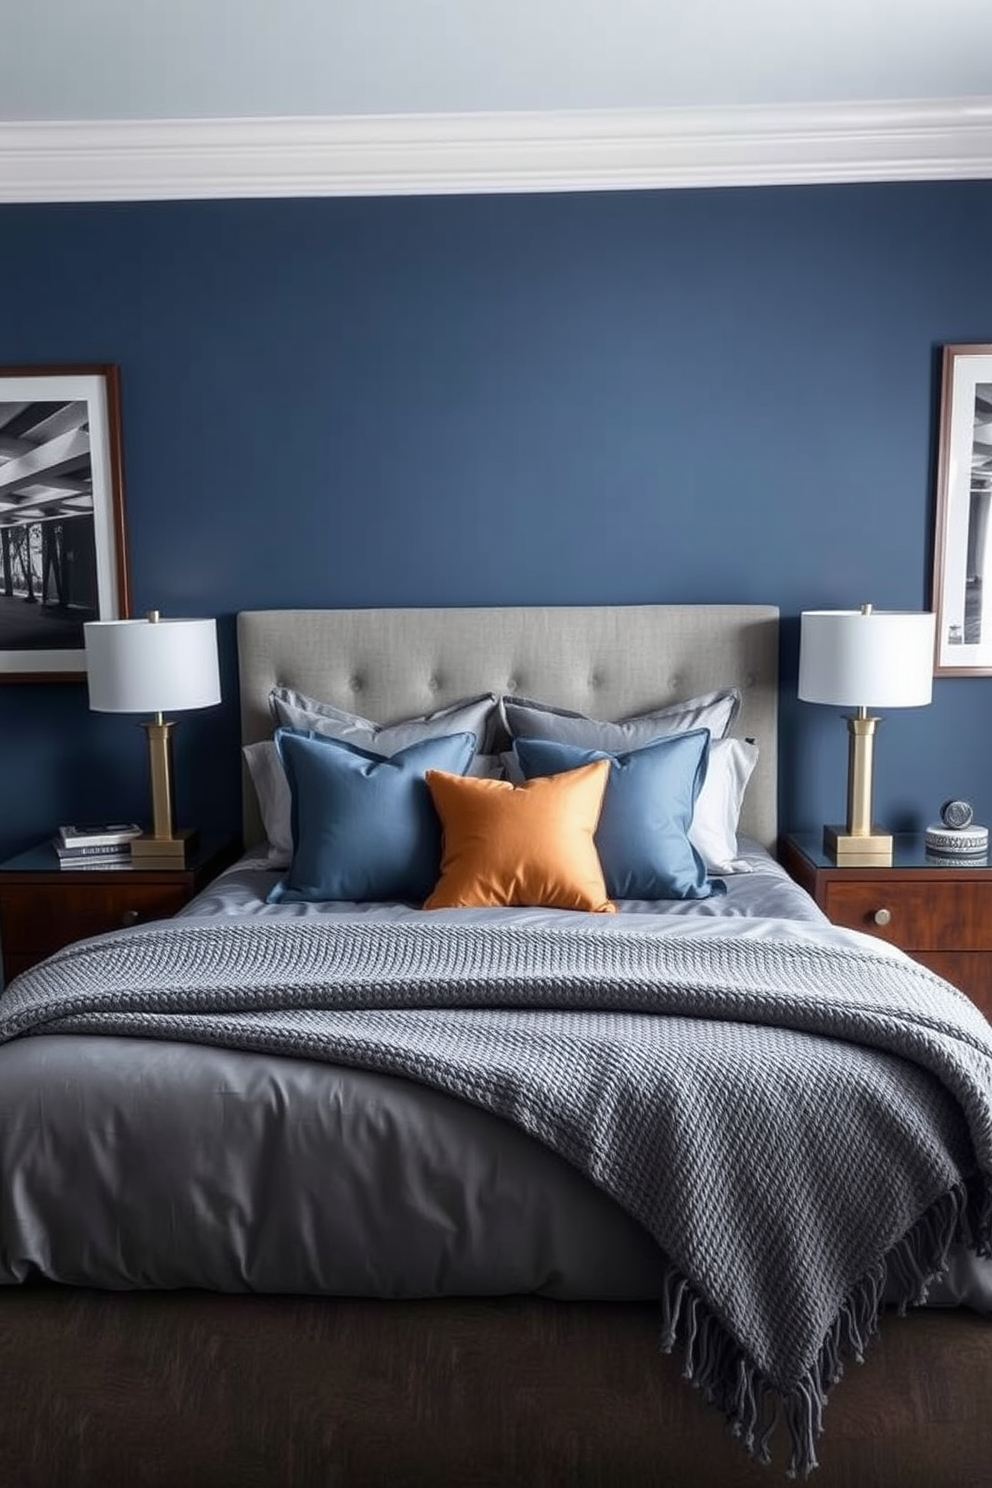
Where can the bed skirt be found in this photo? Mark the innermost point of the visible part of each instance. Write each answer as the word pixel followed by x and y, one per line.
pixel 211 1391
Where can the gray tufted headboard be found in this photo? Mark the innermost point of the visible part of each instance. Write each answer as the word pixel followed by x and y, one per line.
pixel 608 661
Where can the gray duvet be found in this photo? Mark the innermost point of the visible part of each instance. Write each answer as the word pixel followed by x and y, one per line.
pixel 137 1162
pixel 142 1163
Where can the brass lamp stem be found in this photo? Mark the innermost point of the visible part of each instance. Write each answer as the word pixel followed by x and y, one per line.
pixel 860 768
pixel 859 841
pixel 160 767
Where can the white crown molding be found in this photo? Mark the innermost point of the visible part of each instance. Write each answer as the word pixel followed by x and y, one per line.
pixel 425 154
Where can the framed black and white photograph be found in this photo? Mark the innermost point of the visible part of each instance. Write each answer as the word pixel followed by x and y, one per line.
pixel 62 540
pixel 962 571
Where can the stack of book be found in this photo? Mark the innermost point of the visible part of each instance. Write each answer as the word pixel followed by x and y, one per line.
pixel 99 845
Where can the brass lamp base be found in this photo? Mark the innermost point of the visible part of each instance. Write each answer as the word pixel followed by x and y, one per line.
pixel 859 844
pixel 163 846
pixel 858 849
pixel 149 851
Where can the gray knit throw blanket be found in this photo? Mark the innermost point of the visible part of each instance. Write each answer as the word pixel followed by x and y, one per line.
pixel 798 1124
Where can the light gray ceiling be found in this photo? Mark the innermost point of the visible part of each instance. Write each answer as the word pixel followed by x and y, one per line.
pixel 187 59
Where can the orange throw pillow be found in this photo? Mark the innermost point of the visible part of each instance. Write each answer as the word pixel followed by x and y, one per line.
pixel 520 844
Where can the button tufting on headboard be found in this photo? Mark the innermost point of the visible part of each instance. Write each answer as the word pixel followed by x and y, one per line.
pixel 611 661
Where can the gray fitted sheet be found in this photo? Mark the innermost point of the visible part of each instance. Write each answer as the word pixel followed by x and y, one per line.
pixel 765 892
pixel 136 1163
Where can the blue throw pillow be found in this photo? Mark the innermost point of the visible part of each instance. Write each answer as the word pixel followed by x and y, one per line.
pixel 642 836
pixel 364 825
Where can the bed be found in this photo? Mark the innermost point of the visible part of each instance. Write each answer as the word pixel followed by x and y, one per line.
pixel 234 1253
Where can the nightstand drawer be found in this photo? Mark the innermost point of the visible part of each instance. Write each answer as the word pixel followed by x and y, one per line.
pixel 44 907
pixel 32 921
pixel 917 915
pixel 940 913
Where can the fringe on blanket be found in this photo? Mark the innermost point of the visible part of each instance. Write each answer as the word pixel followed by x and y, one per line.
pixel 753 1405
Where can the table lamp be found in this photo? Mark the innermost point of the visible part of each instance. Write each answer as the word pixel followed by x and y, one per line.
pixel 864 659
pixel 154 666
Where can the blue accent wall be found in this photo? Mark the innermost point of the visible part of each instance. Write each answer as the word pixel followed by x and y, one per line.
pixel 723 395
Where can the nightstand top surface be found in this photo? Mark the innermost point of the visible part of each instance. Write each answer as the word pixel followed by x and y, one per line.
pixel 42 858
pixel 909 850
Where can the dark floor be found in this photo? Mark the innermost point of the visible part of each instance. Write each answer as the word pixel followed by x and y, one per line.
pixel 193 1390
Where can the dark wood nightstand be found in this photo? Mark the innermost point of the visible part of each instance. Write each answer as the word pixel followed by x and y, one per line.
pixel 940 914
pixel 43 907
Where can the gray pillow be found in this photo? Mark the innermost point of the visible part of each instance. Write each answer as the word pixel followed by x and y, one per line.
pixel 292 709
pixel 525 719
pixel 477 715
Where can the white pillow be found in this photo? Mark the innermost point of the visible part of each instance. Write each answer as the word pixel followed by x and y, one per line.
pixel 274 799
pixel 713 831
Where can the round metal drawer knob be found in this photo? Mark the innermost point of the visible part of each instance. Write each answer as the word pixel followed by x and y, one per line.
pixel 882 916
pixel 129 917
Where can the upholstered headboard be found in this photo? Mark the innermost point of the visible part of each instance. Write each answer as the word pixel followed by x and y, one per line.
pixel 607 661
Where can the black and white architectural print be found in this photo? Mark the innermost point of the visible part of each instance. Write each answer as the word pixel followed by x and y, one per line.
pixel 962 579
pixel 62 553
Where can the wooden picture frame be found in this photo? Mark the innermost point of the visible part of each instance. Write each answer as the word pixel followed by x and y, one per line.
pixel 962 567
